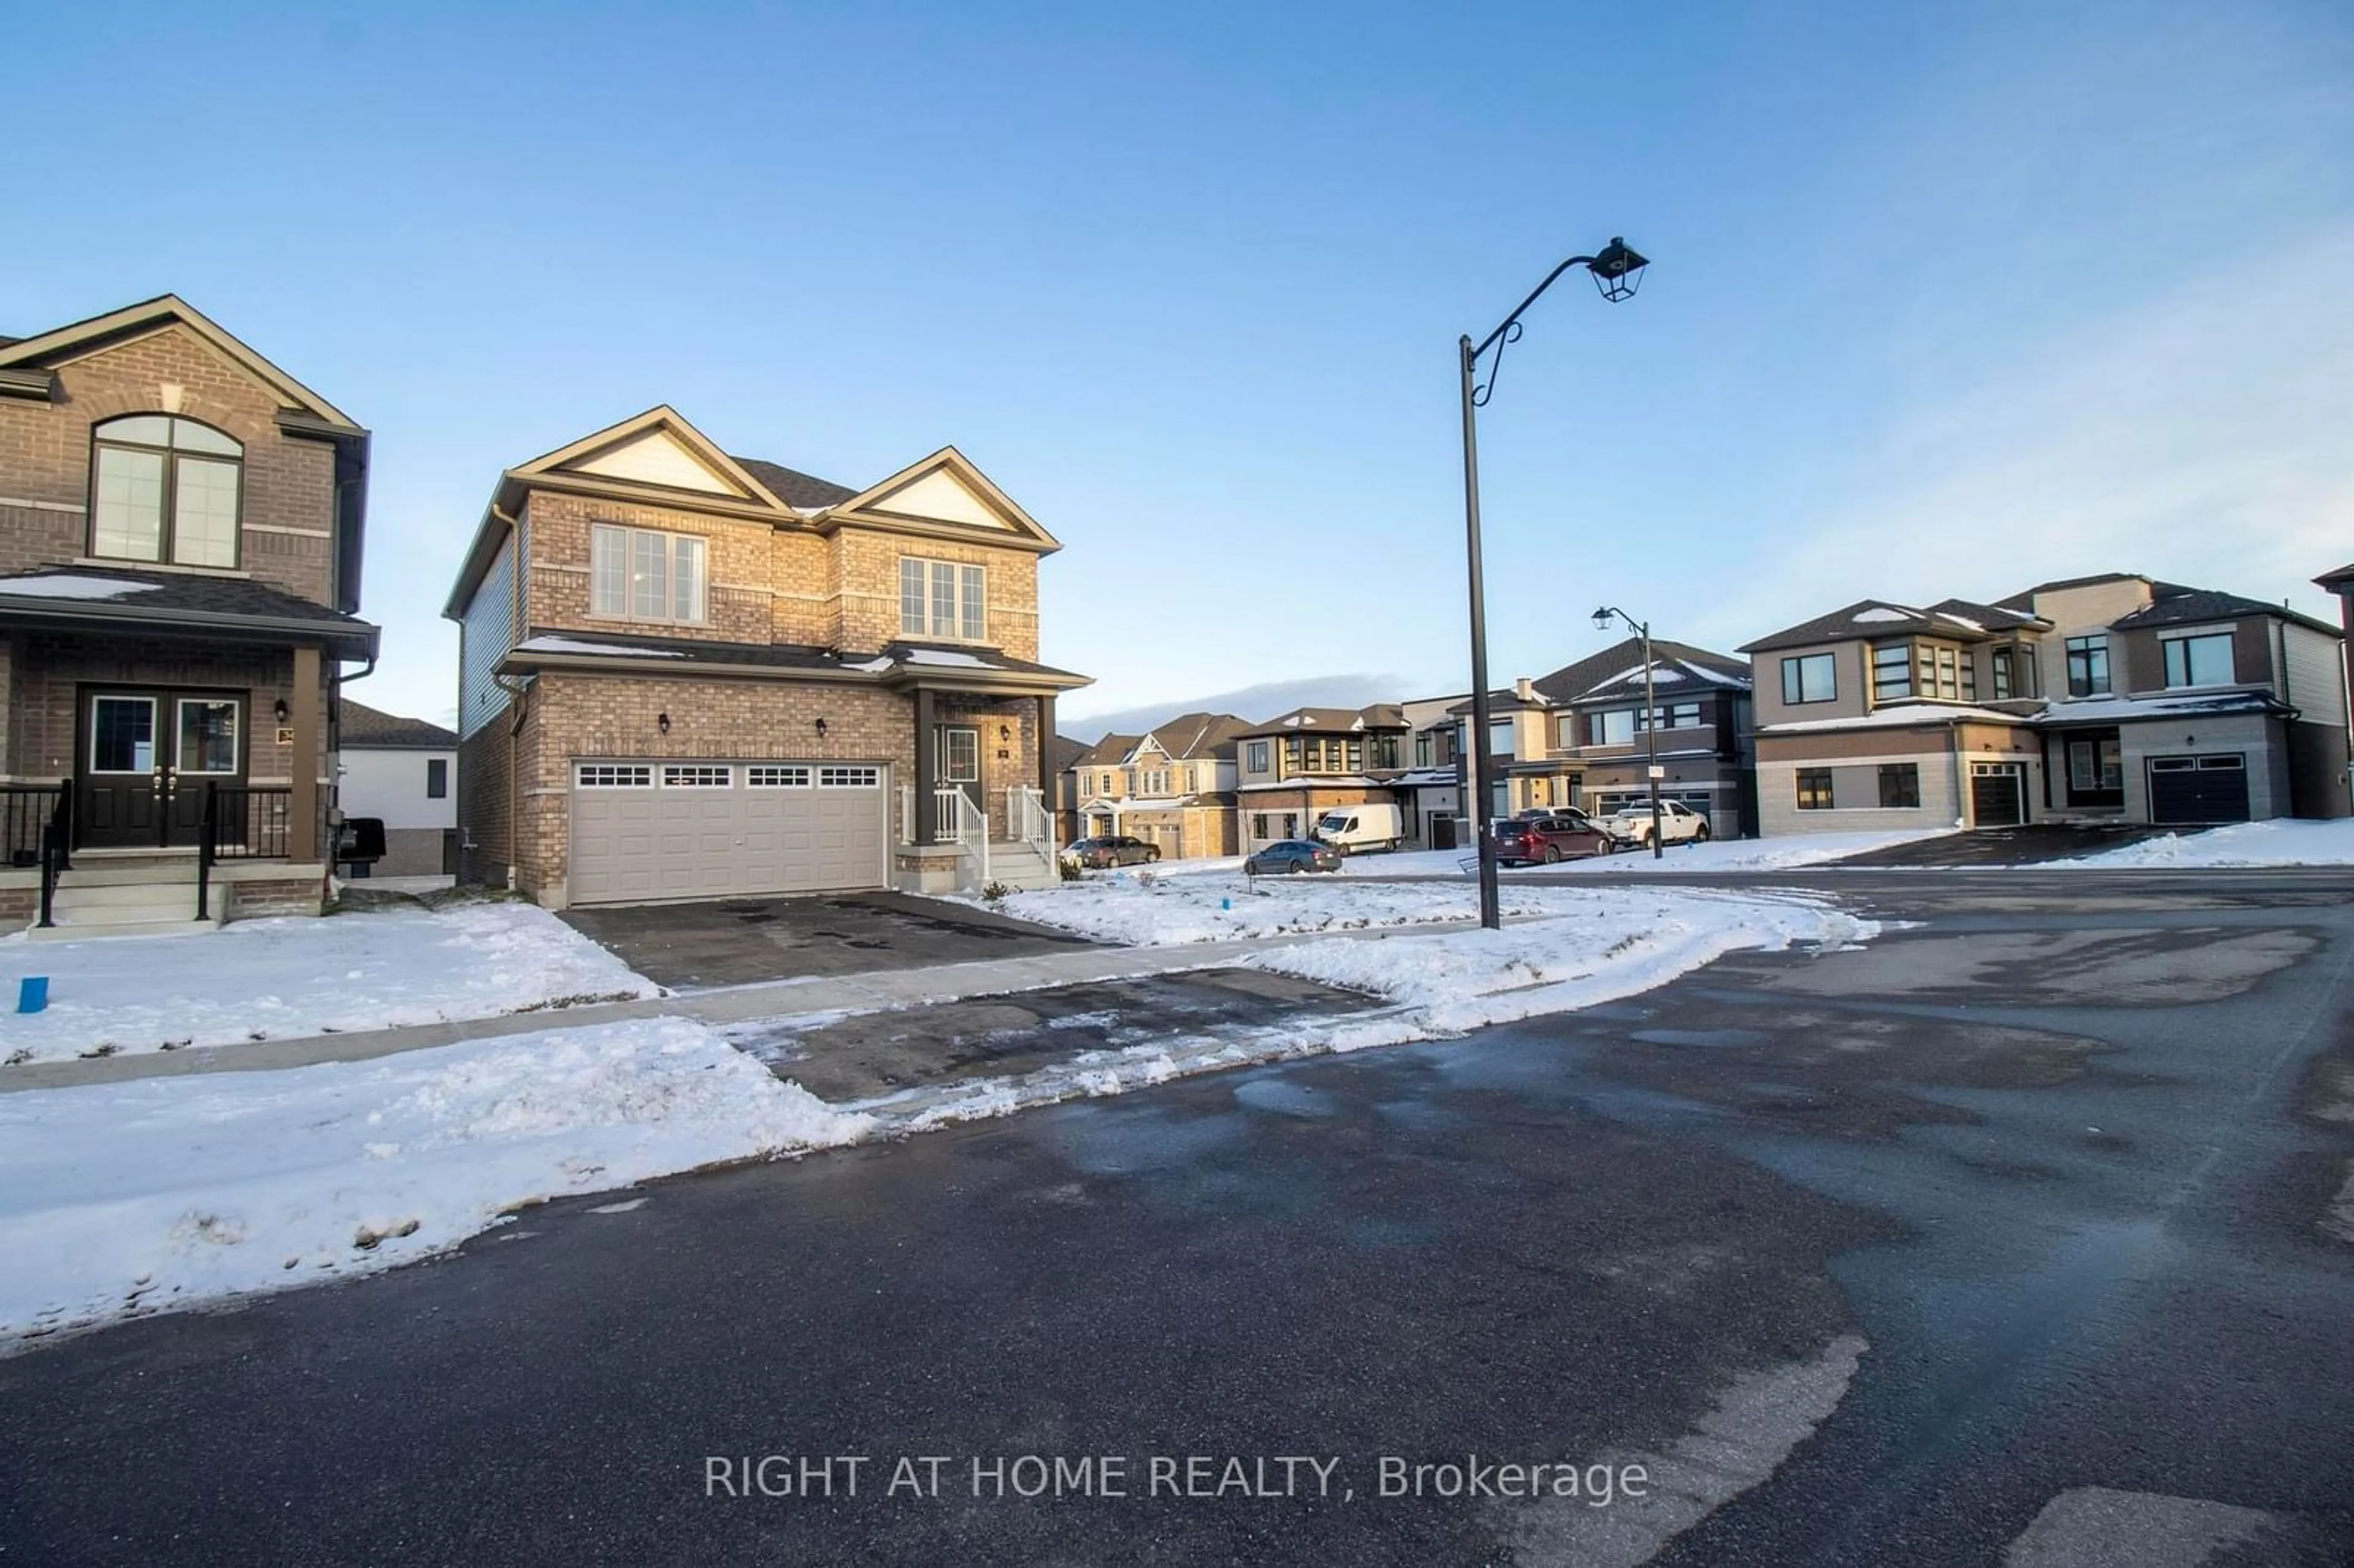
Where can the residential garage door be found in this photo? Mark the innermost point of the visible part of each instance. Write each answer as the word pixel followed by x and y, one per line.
pixel 1998 794
pixel 701 829
pixel 2189 790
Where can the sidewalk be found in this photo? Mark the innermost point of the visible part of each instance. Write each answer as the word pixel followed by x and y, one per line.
pixel 874 991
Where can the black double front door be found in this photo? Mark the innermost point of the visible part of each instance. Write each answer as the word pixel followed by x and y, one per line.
pixel 145 755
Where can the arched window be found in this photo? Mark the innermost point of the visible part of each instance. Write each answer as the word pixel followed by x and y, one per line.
pixel 165 489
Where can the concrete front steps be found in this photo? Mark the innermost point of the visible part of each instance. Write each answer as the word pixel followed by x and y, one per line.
pixel 138 893
pixel 1019 865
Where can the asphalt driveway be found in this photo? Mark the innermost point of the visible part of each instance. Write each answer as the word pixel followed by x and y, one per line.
pixel 742 941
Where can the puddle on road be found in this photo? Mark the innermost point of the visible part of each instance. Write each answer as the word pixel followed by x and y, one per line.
pixel 2170 967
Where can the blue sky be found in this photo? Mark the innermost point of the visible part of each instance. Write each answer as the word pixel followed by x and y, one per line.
pixel 1947 299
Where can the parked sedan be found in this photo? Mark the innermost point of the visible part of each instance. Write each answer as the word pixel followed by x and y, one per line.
pixel 1110 850
pixel 1288 855
pixel 1544 837
pixel 1679 824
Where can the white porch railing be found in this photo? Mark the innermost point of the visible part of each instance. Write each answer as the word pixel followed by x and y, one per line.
pixel 1030 822
pixel 966 824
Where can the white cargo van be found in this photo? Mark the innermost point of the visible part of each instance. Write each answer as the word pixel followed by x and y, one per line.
pixel 1356 827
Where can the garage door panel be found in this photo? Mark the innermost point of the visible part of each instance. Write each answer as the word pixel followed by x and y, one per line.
pixel 675 839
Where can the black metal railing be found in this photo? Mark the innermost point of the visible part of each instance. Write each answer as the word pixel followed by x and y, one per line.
pixel 240 822
pixel 36 829
pixel 26 811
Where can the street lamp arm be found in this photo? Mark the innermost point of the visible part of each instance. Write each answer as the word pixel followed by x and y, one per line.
pixel 1513 320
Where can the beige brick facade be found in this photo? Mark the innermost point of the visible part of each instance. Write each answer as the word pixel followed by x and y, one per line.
pixel 289 504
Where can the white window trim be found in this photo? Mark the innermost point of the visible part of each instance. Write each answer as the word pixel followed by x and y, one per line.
pixel 932 634
pixel 628 532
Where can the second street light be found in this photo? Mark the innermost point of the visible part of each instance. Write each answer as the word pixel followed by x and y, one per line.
pixel 1642 628
pixel 1616 272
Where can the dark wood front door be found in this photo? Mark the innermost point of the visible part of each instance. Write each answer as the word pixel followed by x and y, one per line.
pixel 145 757
pixel 959 751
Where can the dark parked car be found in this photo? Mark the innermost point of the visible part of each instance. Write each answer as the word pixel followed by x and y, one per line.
pixel 1288 855
pixel 1548 836
pixel 1111 849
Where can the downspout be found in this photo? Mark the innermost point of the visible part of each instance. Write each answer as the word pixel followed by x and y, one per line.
pixel 1961 801
pixel 519 691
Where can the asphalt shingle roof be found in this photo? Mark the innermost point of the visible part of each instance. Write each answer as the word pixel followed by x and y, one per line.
pixel 365 727
pixel 793 487
pixel 2209 604
pixel 168 596
pixel 1331 721
pixel 1573 681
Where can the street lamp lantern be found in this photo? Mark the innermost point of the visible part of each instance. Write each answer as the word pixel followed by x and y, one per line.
pixel 1616 271
pixel 1602 618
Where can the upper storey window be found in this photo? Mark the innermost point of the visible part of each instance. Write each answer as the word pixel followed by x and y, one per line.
pixel 642 574
pixel 941 598
pixel 165 489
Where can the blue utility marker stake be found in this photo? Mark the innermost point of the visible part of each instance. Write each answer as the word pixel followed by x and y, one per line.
pixel 1225 903
pixel 33 993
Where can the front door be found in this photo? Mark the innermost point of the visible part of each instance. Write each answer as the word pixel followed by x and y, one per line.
pixel 959 750
pixel 145 757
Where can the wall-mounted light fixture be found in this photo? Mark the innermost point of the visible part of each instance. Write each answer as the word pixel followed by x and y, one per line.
pixel 821 730
pixel 661 723
pixel 279 707
pixel 1005 732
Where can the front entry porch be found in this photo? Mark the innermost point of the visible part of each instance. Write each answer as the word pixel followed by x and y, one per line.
pixel 976 813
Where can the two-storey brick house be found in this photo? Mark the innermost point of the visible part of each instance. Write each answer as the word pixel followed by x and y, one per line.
pixel 684 673
pixel 2108 698
pixel 1172 786
pixel 180 544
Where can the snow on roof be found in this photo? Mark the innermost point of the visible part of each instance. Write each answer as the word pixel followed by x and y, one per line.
pixel 72 585
pixel 1902 715
pixel 2099 710
pixel 871 666
pixel 1884 612
pixel 1961 620
pixel 946 657
pixel 575 645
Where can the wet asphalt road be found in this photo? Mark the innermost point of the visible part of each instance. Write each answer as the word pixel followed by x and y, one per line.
pixel 2029 1221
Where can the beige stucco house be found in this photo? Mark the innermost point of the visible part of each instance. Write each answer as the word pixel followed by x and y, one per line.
pixel 687 673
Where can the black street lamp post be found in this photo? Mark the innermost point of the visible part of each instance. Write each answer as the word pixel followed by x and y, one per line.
pixel 1642 628
pixel 1616 271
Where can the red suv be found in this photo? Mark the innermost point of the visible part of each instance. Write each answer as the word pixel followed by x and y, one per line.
pixel 1548 836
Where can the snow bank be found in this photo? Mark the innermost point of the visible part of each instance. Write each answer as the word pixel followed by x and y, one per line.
pixel 120 1200
pixel 1718 855
pixel 260 980
pixel 2281 841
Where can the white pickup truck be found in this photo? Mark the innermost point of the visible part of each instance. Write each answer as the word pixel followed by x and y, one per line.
pixel 1679 824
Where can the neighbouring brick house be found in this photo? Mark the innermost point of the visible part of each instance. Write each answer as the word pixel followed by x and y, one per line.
pixel 400 772
pixel 1173 787
pixel 1298 764
pixel 684 674
pixel 180 544
pixel 2108 698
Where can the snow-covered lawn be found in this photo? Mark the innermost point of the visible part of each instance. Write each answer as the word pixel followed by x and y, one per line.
pixel 122 1199
pixel 2281 841
pixel 260 980
pixel 1718 855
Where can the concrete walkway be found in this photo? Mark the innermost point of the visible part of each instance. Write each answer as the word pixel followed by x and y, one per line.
pixel 871 992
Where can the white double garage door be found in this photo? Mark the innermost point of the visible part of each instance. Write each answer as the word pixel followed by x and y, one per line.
pixel 648 830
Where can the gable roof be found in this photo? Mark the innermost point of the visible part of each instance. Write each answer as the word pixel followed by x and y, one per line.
pixel 1340 721
pixel 972 490
pixel 2336 579
pixel 1960 619
pixel 1190 737
pixel 1063 753
pixel 1681 665
pixel 45 351
pixel 1110 751
pixel 365 728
